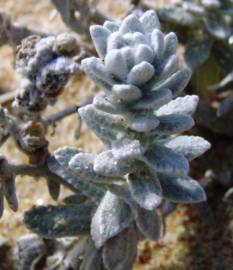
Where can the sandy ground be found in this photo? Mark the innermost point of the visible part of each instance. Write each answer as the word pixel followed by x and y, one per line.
pixel 190 242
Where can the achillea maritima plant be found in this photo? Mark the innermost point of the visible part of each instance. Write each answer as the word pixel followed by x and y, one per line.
pixel 144 162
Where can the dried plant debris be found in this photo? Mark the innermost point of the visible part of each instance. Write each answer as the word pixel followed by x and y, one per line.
pixel 137 117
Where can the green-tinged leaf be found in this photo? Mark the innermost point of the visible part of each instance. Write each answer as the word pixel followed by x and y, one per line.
pixel 111 217
pixel 120 252
pixel 94 193
pixel 181 189
pixel 145 189
pixel 149 223
pixel 59 221
pixel 164 160
pixel 82 165
pixel 197 52
pixel 189 146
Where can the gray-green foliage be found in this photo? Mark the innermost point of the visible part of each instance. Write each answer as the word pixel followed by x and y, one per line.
pixel 144 162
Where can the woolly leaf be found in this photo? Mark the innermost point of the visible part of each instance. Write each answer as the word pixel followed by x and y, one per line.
pixel 111 26
pixel 170 44
pixel 174 123
pixel 149 223
pixel 150 21
pixel 143 123
pixel 97 72
pixel 181 189
pixel 59 221
pixel 102 103
pixel 120 252
pixel 145 189
pixel 126 92
pixel 154 100
pixel 111 217
pixel 106 164
pixel 176 82
pixel 99 36
pixel 164 160
pixel 106 126
pixel 169 67
pixel 143 53
pixel 181 105
pixel 127 149
pixel 189 146
pixel 130 24
pixel 141 73
pixel 157 43
pixel 94 193
pixel 116 64
pixel 82 166
pixel 115 41
pixel 64 154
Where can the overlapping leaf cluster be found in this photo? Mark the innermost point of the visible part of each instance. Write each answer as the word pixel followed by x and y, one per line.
pixel 144 163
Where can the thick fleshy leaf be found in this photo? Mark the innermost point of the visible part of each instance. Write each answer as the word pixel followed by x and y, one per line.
pixel 64 154
pixel 174 123
pixel 92 259
pixel 127 149
pixel 106 164
pixel 176 82
pixel 82 166
pixel 143 53
pixel 99 36
pixel 225 84
pixel 226 106
pixel 197 52
pixel 144 123
pixel 94 193
pixel 169 67
pixel 150 21
pixel 131 24
pixel 97 72
pixel 111 217
pixel 189 146
pixel 115 41
pixel 120 252
pixel 181 189
pixel 219 29
pixel 111 26
pixel 59 221
pixel 116 64
pixel 145 189
pixel 126 92
pixel 229 196
pixel 141 73
pixel 106 126
pixel 154 100
pixel 164 160
pixel 149 223
pixel 170 44
pixel 181 105
pixel 157 43
pixel 102 103
pixel 75 199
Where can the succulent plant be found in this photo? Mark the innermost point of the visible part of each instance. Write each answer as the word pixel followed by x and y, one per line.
pixel 144 161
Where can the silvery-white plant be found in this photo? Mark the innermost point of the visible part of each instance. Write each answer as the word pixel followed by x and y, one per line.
pixel 137 116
